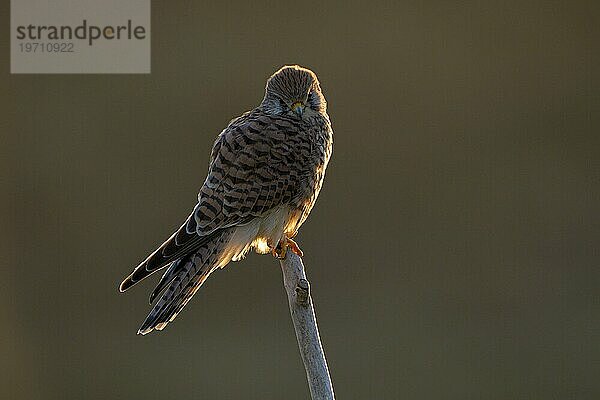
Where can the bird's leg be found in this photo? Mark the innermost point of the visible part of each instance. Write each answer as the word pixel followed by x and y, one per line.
pixel 281 248
pixel 278 251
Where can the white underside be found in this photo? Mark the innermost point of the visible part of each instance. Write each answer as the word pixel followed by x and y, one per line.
pixel 260 234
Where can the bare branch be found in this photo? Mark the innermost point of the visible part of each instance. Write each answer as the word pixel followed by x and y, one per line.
pixel 305 325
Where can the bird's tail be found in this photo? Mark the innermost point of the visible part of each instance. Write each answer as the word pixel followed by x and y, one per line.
pixel 183 278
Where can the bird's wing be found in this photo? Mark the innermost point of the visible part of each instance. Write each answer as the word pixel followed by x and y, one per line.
pixel 251 172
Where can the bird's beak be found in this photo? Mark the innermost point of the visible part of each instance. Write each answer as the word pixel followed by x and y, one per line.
pixel 298 108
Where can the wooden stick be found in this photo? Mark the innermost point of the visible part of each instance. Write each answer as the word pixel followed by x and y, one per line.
pixel 305 325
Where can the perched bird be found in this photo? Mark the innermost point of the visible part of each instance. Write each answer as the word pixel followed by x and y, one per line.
pixel 266 170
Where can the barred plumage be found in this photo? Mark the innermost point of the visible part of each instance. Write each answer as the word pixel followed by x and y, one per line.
pixel 265 173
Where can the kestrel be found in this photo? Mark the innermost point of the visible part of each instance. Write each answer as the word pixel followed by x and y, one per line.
pixel 266 170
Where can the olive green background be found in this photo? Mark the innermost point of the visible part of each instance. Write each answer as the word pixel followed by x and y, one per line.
pixel 453 252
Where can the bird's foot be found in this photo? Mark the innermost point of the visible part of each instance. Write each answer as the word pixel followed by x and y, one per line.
pixel 295 248
pixel 280 250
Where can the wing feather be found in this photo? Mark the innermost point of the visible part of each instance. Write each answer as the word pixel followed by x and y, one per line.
pixel 250 173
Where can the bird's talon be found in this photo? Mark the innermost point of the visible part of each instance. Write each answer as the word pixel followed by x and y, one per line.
pixel 295 248
pixel 280 250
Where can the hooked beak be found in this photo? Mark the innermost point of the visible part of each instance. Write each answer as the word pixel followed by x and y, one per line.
pixel 298 108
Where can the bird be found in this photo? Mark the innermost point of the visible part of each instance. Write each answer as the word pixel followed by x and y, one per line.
pixel 265 173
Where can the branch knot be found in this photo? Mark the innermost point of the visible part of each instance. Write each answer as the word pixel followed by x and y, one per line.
pixel 302 292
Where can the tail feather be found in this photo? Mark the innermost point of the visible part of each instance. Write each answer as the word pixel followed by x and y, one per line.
pixel 184 277
pixel 170 274
pixel 181 243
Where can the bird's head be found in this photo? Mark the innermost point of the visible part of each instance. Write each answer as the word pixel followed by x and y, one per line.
pixel 294 91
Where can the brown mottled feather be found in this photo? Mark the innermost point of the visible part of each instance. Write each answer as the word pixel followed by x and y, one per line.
pixel 264 159
pixel 186 279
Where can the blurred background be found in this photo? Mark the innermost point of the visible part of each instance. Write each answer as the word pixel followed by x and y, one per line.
pixel 453 252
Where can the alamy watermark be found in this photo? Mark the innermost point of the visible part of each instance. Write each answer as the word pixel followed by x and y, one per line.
pixel 80 36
